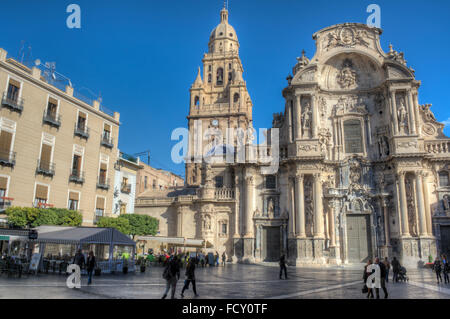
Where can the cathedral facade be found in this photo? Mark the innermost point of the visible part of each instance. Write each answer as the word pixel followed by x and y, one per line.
pixel 363 167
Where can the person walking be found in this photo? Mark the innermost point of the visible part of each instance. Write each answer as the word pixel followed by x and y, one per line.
pixel 171 274
pixel 387 265
pixel 190 277
pixel 217 258
pixel 79 259
pixel 395 269
pixel 283 267
pixel 446 271
pixel 437 267
pixel 90 266
pixel 224 259
pixel 382 279
pixel 365 276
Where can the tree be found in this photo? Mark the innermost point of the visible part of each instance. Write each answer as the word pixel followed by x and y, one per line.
pixel 27 217
pixel 141 225
pixel 121 224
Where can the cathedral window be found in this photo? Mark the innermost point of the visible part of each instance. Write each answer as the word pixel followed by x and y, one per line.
pixel 209 68
pixel 209 78
pixel 229 64
pixel 197 101
pixel 271 182
pixel 236 97
pixel 230 76
pixel 443 179
pixel 352 136
pixel 219 80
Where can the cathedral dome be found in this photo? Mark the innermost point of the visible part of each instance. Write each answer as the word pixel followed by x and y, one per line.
pixel 223 37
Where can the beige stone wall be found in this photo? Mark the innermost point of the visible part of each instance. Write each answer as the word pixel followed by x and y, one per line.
pixel 27 145
pixel 161 178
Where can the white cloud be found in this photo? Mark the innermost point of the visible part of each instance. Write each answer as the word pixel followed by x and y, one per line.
pixel 446 122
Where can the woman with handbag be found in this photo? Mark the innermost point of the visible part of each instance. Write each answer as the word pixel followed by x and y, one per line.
pixel 190 277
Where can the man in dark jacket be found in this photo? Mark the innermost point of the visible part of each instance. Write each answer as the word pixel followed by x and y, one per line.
pixel 283 266
pixel 171 274
pixel 395 269
pixel 79 259
pixel 382 278
pixel 90 266
pixel 190 277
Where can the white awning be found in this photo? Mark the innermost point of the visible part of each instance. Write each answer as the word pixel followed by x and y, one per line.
pixel 174 240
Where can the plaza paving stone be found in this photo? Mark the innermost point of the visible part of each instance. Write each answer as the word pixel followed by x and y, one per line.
pixel 231 281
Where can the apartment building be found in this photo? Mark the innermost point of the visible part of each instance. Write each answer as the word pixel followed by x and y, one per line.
pixel 126 169
pixel 153 179
pixel 56 150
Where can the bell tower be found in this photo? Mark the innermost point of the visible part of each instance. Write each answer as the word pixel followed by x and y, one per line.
pixel 218 100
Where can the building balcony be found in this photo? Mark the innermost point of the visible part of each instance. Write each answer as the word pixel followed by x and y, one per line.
pixel 76 176
pixel 125 188
pixel 81 131
pixel 106 141
pixel 5 202
pixel 14 103
pixel 224 193
pixel 103 183
pixel 43 205
pixel 7 158
pixel 52 119
pixel 45 168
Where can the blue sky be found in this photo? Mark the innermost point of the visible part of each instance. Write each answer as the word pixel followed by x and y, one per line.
pixel 143 55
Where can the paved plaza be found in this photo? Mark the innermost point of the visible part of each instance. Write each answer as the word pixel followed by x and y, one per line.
pixel 231 281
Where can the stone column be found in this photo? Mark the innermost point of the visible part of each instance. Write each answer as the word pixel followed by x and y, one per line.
pixel 237 211
pixel 314 116
pixel 394 112
pixel 387 237
pixel 416 110
pixel 180 221
pixel 289 118
pixel 318 211
pixel 412 120
pixel 291 183
pixel 421 204
pixel 297 115
pixel 403 205
pixel 300 211
pixel 427 207
pixel 331 224
pixel 249 206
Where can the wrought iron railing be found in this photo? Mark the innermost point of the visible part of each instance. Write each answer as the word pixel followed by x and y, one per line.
pixel 125 188
pixel 7 158
pixel 14 103
pixel 103 182
pixel 45 168
pixel 76 176
pixel 81 131
pixel 106 140
pixel 52 118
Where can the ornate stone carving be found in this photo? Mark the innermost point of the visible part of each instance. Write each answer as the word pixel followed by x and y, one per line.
pixel 407 144
pixel 346 37
pixel 307 147
pixel 309 207
pixel 396 56
pixel 350 104
pixel 428 129
pixel 411 207
pixel 347 77
pixel 322 106
pixel 324 140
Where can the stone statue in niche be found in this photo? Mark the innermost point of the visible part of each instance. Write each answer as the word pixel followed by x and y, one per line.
pixel 383 145
pixel 446 202
pixel 401 113
pixel 347 76
pixel 306 119
pixel 270 207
